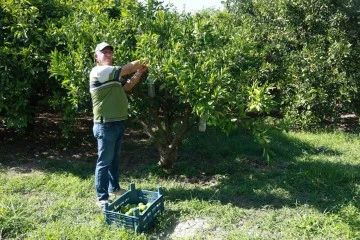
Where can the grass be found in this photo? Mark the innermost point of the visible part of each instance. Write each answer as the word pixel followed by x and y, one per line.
pixel 309 190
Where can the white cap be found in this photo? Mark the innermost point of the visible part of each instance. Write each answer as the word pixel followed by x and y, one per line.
pixel 103 45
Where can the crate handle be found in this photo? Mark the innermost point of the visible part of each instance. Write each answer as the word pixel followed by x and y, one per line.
pixel 160 190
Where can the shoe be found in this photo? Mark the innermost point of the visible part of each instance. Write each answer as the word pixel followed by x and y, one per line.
pixel 101 203
pixel 118 192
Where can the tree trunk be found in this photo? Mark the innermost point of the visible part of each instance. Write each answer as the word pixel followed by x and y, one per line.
pixel 168 140
pixel 168 156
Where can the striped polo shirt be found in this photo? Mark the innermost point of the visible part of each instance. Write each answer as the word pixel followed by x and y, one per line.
pixel 108 97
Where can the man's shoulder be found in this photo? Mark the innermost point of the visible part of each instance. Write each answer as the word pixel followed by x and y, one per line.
pixel 103 68
pixel 103 71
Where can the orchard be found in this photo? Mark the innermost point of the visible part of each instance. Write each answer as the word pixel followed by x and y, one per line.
pixel 256 64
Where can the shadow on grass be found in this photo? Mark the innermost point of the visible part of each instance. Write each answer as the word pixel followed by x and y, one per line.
pixel 230 169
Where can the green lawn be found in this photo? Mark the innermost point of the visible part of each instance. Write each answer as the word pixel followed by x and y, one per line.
pixel 309 190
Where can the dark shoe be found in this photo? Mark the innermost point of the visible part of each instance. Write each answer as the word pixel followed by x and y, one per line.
pixel 117 193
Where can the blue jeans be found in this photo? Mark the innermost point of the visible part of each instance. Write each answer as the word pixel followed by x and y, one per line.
pixel 109 137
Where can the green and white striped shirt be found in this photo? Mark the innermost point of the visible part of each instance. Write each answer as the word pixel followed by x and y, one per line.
pixel 108 97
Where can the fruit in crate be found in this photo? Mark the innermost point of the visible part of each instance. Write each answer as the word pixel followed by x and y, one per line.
pixel 129 209
pixel 142 207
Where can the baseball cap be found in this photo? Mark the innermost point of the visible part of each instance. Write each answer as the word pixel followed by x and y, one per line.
pixel 103 45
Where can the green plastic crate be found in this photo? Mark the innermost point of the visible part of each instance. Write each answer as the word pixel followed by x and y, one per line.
pixel 138 222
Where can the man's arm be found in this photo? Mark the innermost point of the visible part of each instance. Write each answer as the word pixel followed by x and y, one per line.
pixel 130 83
pixel 130 68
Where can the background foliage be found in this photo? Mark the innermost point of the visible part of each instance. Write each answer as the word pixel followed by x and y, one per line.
pixel 310 51
pixel 24 58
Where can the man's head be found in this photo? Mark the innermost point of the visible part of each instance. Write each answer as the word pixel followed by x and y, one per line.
pixel 103 53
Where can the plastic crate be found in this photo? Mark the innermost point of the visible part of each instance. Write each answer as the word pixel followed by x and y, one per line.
pixel 138 222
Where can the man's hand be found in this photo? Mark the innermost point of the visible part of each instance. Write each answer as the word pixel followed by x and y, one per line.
pixel 143 69
pixel 135 78
pixel 131 67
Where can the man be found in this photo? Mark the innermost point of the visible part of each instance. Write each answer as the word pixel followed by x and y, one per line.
pixel 110 109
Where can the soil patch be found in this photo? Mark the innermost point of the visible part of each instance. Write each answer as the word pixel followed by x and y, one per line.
pixel 47 141
pixel 193 229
